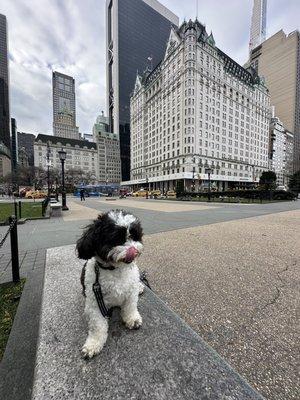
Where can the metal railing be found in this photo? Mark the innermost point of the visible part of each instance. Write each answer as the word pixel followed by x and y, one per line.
pixel 13 231
pixel 18 207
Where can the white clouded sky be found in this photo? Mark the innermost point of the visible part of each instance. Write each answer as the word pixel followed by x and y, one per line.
pixel 69 36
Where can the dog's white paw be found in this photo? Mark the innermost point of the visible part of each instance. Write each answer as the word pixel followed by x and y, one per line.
pixel 134 321
pixel 90 349
pixel 141 288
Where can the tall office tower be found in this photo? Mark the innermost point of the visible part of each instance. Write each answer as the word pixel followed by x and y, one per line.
pixel 137 32
pixel 64 106
pixel 198 117
pixel 258 23
pixel 277 59
pixel 4 101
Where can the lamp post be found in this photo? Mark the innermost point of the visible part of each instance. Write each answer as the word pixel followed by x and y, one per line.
pixel 48 169
pixel 62 156
pixel 56 189
pixel 199 175
pixel 218 169
pixel 147 185
pixel 208 171
pixel 193 181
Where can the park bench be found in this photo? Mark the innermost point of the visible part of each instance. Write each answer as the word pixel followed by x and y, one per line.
pixel 165 359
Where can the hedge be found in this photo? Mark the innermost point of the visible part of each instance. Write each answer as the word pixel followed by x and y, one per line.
pixel 244 194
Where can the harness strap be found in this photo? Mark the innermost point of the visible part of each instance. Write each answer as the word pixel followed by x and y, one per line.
pixel 110 267
pixel 98 294
pixel 97 288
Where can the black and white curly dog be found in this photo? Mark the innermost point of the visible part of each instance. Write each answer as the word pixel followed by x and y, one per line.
pixel 110 244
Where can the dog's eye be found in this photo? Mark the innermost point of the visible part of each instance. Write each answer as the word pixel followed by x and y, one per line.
pixel 118 237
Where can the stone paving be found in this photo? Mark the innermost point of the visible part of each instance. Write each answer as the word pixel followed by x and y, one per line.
pixel 28 261
pixel 78 211
pixel 237 284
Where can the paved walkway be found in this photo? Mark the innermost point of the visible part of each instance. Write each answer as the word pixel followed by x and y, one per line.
pixel 237 284
pixel 28 261
pixel 78 211
pixel 161 206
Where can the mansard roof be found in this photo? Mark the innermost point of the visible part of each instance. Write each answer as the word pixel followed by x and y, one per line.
pixel 248 75
pixel 55 140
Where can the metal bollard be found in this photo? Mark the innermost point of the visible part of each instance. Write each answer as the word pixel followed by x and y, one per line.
pixel 14 249
pixel 20 209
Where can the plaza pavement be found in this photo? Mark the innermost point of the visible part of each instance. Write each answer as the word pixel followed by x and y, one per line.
pixel 237 284
pixel 228 269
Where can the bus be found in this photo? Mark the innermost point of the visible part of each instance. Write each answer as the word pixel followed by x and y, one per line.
pixel 97 190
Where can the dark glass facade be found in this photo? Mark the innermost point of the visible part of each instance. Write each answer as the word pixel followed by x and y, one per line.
pixel 142 32
pixel 4 94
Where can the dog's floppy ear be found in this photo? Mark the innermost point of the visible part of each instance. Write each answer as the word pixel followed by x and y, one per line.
pixel 86 244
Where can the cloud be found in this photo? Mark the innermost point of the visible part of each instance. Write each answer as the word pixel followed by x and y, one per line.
pixel 69 36
pixel 46 35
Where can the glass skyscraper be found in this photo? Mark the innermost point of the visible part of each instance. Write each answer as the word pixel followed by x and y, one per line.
pixel 4 90
pixel 258 23
pixel 137 32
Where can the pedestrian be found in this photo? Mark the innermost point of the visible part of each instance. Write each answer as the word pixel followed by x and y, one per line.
pixel 82 197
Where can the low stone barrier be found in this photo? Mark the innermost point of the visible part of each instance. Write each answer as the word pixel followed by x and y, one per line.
pixel 56 209
pixel 165 359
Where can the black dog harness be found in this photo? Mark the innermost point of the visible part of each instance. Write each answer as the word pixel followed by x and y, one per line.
pixel 98 292
pixel 97 287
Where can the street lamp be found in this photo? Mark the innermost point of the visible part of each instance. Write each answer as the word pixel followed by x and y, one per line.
pixel 62 156
pixel 56 189
pixel 218 170
pixel 208 171
pixel 193 182
pixel 48 169
pixel 147 184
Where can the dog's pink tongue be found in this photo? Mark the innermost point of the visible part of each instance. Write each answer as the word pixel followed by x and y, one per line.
pixel 131 253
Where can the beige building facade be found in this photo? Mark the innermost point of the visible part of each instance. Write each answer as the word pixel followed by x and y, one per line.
pixel 281 152
pixel 108 145
pixel 278 60
pixel 198 110
pixel 81 154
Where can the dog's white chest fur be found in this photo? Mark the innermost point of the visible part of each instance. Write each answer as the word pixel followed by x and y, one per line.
pixel 116 285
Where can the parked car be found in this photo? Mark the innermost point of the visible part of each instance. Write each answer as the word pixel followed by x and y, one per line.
pixel 171 193
pixel 281 188
pixel 140 193
pixel 155 193
pixel 35 194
